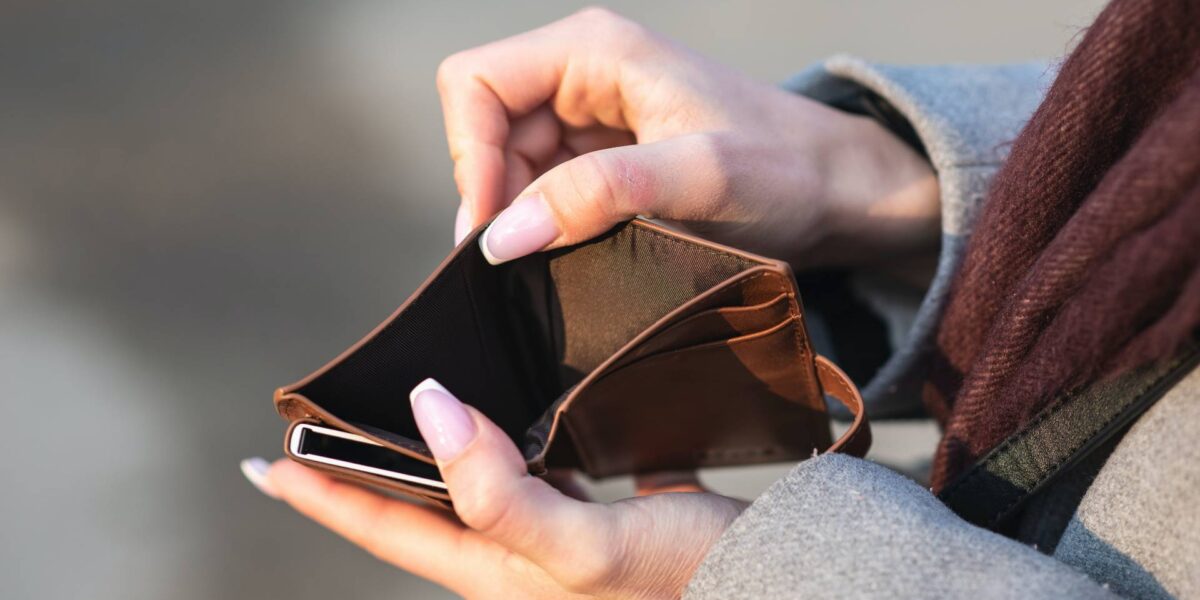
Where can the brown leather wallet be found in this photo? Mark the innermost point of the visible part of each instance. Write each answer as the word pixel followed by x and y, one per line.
pixel 642 350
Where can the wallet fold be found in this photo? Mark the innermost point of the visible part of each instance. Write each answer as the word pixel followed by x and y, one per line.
pixel 642 350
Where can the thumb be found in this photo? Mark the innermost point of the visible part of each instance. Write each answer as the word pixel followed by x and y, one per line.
pixel 678 178
pixel 494 494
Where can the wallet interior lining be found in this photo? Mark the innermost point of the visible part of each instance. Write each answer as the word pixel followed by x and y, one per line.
pixel 511 339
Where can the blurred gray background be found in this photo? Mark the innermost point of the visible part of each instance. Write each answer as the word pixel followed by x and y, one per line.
pixel 201 203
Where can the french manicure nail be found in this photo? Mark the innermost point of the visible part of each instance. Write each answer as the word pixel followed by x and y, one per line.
pixel 444 423
pixel 255 469
pixel 523 228
pixel 462 222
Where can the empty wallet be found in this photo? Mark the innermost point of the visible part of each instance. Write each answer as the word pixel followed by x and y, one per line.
pixel 642 350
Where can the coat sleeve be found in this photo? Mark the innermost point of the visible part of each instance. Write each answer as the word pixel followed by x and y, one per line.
pixel 842 527
pixel 964 117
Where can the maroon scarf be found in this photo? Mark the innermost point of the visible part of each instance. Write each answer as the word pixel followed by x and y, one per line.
pixel 1084 261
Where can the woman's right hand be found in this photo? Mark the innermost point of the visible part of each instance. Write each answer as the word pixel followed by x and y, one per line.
pixel 593 120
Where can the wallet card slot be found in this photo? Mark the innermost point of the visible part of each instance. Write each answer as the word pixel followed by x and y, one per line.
pixel 749 399
pixel 749 288
pixel 713 325
pixel 717 344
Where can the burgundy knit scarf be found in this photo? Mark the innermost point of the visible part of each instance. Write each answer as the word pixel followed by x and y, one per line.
pixel 1084 261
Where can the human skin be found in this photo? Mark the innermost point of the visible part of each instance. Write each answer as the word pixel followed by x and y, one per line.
pixel 565 131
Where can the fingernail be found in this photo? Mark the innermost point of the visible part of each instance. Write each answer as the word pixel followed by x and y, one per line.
pixel 444 423
pixel 523 228
pixel 255 469
pixel 462 222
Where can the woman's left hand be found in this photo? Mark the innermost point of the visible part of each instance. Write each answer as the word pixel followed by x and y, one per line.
pixel 515 535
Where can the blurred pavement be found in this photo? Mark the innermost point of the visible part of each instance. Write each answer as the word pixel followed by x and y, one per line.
pixel 200 203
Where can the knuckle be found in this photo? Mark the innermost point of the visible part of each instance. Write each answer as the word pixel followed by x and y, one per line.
pixel 629 184
pixel 596 13
pixel 592 186
pixel 611 186
pixel 637 183
pixel 483 512
pixel 451 69
pixel 603 23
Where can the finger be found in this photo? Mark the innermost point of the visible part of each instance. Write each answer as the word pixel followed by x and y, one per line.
pixel 416 538
pixel 427 542
pixel 680 178
pixel 480 90
pixel 667 481
pixel 484 88
pixel 536 143
pixel 532 143
pixel 494 494
pixel 535 137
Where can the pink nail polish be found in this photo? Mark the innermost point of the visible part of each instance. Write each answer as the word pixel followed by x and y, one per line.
pixel 462 223
pixel 523 228
pixel 444 423
pixel 255 470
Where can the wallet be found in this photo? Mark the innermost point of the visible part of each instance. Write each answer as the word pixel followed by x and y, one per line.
pixel 642 350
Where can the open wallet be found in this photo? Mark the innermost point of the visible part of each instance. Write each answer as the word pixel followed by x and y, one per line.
pixel 641 350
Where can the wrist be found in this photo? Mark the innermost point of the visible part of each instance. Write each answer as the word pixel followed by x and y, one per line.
pixel 879 198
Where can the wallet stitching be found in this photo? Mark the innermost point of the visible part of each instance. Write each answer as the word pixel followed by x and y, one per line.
pixel 794 311
pixel 804 354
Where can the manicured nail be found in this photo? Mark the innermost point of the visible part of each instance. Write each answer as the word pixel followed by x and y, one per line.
pixel 523 228
pixel 444 423
pixel 255 469
pixel 462 222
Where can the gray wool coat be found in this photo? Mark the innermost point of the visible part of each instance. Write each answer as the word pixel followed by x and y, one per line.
pixel 838 526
